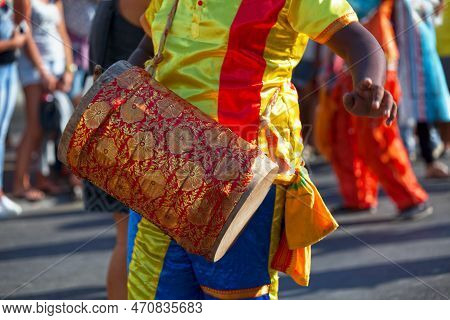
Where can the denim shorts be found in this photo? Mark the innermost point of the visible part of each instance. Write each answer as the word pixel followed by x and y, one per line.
pixel 29 75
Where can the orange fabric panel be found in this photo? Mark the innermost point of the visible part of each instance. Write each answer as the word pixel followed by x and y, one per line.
pixel 381 27
pixel 360 169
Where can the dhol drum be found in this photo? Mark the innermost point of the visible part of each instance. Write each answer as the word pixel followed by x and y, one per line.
pixel 193 178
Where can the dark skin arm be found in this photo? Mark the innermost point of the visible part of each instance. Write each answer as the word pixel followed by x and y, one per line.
pixel 143 52
pixel 363 54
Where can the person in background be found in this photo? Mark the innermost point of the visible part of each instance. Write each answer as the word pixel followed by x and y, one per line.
pixel 115 33
pixel 44 66
pixel 79 15
pixel 22 11
pixel 443 46
pixel 12 38
pixel 359 169
pixel 425 95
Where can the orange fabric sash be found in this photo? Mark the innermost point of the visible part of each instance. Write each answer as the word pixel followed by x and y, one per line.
pixel 307 220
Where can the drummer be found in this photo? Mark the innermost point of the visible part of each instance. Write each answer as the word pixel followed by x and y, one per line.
pixel 234 62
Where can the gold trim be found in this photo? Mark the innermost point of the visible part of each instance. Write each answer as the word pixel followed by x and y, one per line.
pixel 237 294
pixel 335 26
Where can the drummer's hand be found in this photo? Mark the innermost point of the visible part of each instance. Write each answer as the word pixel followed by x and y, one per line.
pixel 371 100
pixel 98 70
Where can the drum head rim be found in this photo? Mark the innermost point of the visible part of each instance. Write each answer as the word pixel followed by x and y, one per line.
pixel 265 172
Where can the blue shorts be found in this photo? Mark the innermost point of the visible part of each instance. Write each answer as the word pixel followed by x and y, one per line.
pixel 29 75
pixel 160 269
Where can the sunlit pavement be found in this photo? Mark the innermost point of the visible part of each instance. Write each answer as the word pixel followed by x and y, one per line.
pixel 56 251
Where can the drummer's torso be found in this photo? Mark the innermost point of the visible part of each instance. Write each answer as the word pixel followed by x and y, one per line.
pixel 233 60
pixel 236 45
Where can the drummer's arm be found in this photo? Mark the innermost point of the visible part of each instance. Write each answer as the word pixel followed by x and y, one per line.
pixel 143 52
pixel 367 64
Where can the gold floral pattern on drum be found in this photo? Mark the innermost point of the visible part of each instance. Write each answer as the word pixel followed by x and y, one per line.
pixel 217 138
pixel 190 176
pixel 179 140
pixel 168 217
pixel 141 145
pixel 106 152
pixel 121 186
pixel 168 109
pixel 133 110
pixel 163 158
pixel 227 169
pixel 96 113
pixel 153 184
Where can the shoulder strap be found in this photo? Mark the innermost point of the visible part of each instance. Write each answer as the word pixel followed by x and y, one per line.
pixel 151 65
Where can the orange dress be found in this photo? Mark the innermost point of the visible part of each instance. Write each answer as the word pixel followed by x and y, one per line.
pixel 375 153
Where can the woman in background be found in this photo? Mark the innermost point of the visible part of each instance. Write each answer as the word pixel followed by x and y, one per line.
pixel 79 15
pixel 425 95
pixel 443 46
pixel 46 65
pixel 11 39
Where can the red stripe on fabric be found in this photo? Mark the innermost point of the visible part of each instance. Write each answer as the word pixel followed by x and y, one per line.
pixel 244 65
pixel 282 259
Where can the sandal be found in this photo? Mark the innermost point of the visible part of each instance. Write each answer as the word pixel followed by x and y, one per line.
pixel 51 189
pixel 437 170
pixel 30 194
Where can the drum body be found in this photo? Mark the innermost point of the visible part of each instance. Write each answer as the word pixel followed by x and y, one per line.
pixel 192 177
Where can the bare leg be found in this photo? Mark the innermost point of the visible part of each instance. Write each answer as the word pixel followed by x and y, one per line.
pixel 31 139
pixel 116 282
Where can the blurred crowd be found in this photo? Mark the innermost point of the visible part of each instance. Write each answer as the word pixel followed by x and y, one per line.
pixel 48 49
pixel 44 52
pixel 414 37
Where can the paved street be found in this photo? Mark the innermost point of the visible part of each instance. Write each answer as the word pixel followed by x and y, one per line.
pixel 56 251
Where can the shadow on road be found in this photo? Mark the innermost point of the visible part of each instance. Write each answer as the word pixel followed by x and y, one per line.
pixel 84 293
pixel 44 214
pixel 367 276
pixel 104 221
pixel 53 249
pixel 347 242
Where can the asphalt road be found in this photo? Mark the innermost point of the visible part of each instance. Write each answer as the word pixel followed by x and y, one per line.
pixel 56 251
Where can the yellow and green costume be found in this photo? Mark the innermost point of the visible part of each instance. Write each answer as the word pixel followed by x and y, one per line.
pixel 233 60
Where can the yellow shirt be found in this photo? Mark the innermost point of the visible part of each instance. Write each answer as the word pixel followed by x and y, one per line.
pixel 233 60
